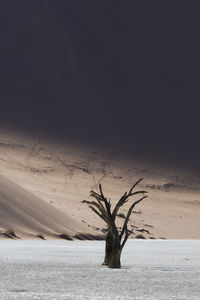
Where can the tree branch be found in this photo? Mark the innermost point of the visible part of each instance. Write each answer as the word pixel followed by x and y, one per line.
pixel 127 234
pixel 137 182
pixel 96 212
pixel 128 215
pixel 101 209
pixel 106 202
pixel 97 197
pixel 125 197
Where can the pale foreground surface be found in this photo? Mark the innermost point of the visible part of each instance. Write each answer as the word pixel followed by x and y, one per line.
pixel 71 270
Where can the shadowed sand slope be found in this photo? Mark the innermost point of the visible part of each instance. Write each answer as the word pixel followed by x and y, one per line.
pixel 84 72
pixel 27 215
pixel 49 180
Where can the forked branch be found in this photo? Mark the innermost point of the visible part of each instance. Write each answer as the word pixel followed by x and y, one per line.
pixel 125 197
pixel 115 239
pixel 128 215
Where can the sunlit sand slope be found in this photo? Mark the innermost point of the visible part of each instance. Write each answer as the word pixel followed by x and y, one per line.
pixel 52 178
pixel 24 214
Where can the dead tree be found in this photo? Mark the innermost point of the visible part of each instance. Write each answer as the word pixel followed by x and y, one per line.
pixel 115 238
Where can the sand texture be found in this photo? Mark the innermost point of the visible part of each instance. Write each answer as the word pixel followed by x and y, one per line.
pixel 26 214
pixel 42 184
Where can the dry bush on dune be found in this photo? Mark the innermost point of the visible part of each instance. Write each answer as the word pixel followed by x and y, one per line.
pixel 40 236
pixel 10 234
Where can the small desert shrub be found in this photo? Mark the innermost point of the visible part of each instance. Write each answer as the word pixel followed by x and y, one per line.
pixel 140 236
pixel 10 234
pixel 40 236
pixel 64 236
pixel 121 215
pixel 92 237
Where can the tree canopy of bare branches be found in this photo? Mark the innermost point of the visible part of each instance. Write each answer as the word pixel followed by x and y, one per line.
pixel 115 239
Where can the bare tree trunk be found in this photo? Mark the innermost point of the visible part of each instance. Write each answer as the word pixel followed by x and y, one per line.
pixel 115 259
pixel 112 252
pixel 115 240
pixel 112 248
pixel 108 249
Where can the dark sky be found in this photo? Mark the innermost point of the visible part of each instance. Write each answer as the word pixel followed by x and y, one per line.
pixel 124 73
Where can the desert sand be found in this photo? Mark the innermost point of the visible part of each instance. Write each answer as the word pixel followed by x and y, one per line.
pixel 42 184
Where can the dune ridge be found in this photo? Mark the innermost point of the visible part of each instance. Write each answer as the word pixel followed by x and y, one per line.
pixel 43 183
pixel 27 215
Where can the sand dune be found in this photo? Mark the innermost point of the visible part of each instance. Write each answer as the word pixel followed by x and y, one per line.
pixel 46 182
pixel 60 80
pixel 27 215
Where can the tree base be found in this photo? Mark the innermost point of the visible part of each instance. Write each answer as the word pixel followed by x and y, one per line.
pixel 113 263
